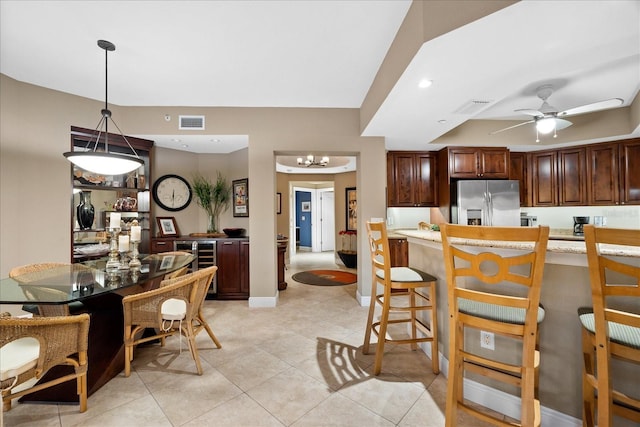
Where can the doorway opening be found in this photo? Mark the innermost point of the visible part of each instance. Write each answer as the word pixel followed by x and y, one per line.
pixel 312 217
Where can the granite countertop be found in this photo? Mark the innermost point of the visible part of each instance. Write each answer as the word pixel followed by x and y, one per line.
pixel 554 246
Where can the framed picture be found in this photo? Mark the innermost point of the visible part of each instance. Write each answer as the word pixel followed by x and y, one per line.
pixel 278 203
pixel 306 207
pixel 167 226
pixel 241 197
pixel 167 262
pixel 351 204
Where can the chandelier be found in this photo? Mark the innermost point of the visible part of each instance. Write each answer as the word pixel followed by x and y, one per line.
pixel 311 161
pixel 104 162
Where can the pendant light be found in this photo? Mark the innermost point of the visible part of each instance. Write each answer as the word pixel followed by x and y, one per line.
pixel 105 163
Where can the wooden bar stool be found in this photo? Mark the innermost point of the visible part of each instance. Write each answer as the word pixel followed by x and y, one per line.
pixel 481 286
pixel 611 329
pixel 399 283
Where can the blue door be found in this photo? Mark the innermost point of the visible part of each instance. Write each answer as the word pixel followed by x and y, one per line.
pixel 303 217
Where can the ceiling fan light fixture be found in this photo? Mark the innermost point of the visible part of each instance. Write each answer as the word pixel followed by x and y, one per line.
pixel 105 162
pixel 546 125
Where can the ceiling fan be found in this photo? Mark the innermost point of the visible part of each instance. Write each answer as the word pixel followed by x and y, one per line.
pixel 548 119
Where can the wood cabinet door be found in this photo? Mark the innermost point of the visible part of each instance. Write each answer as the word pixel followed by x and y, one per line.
pixel 602 170
pixel 463 163
pixel 572 176
pixel 630 172
pixel 518 170
pixel 426 184
pixel 228 258
pixel 244 268
pixel 493 163
pixel 401 179
pixel 399 252
pixel 544 178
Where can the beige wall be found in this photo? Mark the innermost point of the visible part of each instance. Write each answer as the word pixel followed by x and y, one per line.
pixel 35 184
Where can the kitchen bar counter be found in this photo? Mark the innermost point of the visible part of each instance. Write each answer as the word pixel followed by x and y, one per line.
pixel 554 246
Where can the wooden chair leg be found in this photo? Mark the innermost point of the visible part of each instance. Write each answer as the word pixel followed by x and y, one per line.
pixel 205 325
pixel 435 362
pixel 414 330
pixel 191 338
pixel 82 392
pixel 367 334
pixel 454 382
pixel 382 333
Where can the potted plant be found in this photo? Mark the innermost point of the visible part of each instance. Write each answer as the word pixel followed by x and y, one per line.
pixel 213 198
pixel 348 252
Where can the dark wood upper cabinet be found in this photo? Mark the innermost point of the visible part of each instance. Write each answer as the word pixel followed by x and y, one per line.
pixel 544 178
pixel 572 176
pixel 518 170
pixel 602 170
pixel 630 172
pixel 411 179
pixel 478 163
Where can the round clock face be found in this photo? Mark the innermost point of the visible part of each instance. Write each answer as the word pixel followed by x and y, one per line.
pixel 172 192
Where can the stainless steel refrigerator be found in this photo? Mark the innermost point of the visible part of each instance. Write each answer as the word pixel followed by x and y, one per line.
pixel 488 202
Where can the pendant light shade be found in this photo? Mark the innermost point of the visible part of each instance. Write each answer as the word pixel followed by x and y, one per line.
pixel 105 162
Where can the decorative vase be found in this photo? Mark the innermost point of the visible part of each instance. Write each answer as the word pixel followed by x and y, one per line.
pixel 349 258
pixel 212 226
pixel 85 211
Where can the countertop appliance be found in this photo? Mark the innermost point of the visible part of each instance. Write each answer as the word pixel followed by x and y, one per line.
pixel 489 202
pixel 578 225
pixel 528 220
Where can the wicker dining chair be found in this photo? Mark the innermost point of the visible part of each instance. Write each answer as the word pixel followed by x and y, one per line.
pixel 174 307
pixel 204 276
pixel 29 347
pixel 32 272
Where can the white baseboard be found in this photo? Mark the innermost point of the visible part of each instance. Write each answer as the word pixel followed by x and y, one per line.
pixel 502 402
pixel 364 301
pixel 263 302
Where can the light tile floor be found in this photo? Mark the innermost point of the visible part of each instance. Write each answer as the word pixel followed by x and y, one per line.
pixel 299 364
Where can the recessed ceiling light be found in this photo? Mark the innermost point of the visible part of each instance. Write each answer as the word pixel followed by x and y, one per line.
pixel 425 83
pixel 215 140
pixel 185 145
pixel 442 121
pixel 175 140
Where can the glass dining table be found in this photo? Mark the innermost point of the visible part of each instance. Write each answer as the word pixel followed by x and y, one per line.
pixel 90 288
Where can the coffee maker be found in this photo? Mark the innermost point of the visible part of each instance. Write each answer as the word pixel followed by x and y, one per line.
pixel 578 225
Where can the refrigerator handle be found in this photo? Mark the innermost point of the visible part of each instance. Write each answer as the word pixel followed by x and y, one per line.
pixel 485 209
pixel 490 208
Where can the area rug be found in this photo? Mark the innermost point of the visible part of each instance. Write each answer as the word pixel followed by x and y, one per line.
pixel 325 277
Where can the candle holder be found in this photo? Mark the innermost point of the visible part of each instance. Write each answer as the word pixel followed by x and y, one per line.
pixel 135 263
pixel 114 280
pixel 114 261
pixel 124 261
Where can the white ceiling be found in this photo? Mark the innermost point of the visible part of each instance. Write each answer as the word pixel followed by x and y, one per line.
pixel 323 54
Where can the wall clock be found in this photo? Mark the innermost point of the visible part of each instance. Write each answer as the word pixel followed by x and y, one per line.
pixel 172 192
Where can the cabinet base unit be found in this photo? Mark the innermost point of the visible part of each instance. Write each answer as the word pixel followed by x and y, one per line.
pixel 230 255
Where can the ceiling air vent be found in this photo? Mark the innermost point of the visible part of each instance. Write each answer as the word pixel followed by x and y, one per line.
pixel 191 123
pixel 473 106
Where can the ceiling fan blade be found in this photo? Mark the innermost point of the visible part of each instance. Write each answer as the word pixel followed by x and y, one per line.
pixel 511 127
pixel 529 112
pixel 589 108
pixel 562 124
